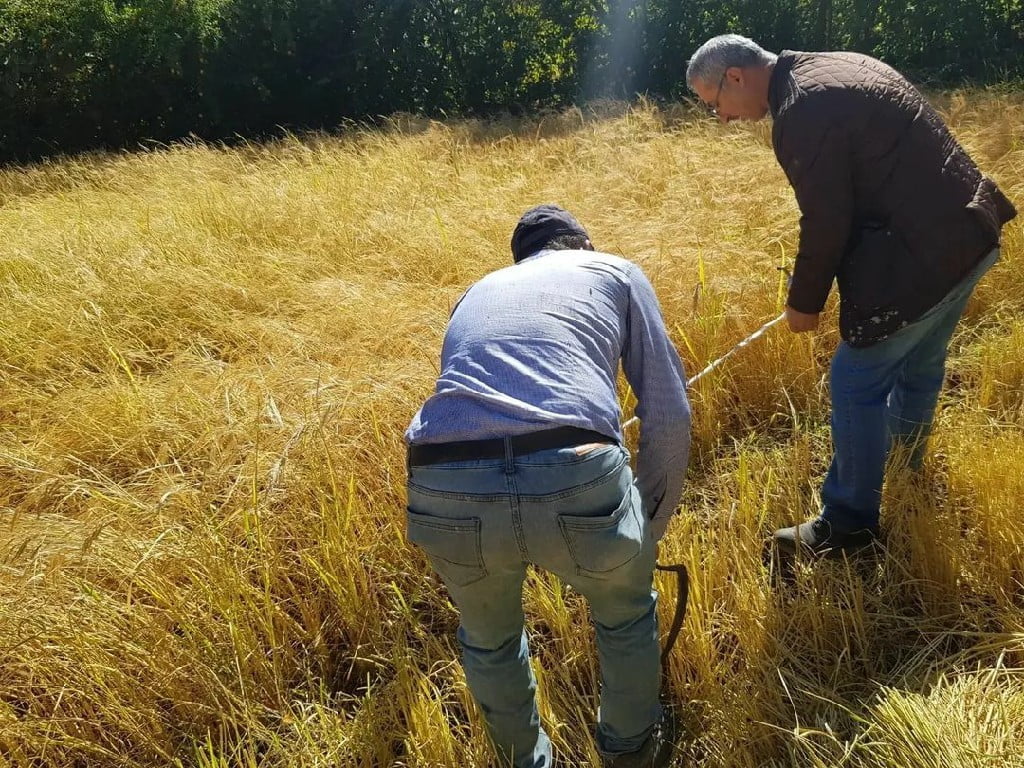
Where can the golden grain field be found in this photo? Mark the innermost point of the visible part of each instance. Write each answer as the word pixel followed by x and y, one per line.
pixel 207 360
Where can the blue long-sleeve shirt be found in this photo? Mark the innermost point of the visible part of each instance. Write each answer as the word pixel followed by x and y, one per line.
pixel 537 345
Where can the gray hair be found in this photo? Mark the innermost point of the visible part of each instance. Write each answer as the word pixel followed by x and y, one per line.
pixel 710 61
pixel 569 243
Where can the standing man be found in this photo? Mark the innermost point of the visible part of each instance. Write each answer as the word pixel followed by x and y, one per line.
pixel 518 458
pixel 893 209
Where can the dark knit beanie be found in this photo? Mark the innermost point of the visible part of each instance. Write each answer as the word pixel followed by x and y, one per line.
pixel 539 226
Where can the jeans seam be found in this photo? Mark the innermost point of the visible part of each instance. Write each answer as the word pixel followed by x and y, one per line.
pixel 568 493
pixel 847 447
pixel 456 495
pixel 576 490
pixel 850 446
pixel 477 464
pixel 581 571
pixel 568 462
pixel 513 497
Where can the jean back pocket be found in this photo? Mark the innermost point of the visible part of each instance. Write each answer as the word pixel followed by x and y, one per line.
pixel 452 544
pixel 603 543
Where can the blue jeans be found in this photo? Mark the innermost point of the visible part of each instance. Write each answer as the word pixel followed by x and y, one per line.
pixel 578 516
pixel 885 395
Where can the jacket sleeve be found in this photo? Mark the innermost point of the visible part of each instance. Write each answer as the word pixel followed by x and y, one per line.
pixel 655 372
pixel 814 151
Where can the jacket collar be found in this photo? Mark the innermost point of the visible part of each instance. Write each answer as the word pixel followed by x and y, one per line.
pixel 782 87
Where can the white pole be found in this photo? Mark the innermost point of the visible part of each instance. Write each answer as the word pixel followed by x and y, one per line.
pixel 715 363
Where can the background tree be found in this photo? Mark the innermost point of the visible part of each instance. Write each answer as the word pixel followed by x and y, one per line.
pixel 89 73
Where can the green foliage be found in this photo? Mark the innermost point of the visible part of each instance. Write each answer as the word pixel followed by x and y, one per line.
pixel 950 37
pixel 84 73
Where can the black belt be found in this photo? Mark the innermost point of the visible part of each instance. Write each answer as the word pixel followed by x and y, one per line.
pixel 467 450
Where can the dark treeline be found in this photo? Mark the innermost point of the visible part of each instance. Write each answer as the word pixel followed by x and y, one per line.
pixel 76 74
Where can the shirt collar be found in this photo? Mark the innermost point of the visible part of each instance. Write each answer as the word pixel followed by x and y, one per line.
pixel 535 255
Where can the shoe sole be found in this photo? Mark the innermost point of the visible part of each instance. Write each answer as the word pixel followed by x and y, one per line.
pixel 792 549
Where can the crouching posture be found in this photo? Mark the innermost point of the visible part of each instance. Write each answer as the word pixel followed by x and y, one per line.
pixel 518 458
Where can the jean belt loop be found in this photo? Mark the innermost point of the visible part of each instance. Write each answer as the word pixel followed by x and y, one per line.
pixel 510 459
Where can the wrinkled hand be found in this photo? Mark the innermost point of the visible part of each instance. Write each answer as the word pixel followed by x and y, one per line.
pixel 801 322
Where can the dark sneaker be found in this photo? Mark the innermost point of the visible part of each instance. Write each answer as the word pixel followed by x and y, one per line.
pixel 655 752
pixel 816 538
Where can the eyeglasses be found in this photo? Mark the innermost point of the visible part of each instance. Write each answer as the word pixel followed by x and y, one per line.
pixel 713 105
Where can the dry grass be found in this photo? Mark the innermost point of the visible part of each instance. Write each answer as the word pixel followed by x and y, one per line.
pixel 208 357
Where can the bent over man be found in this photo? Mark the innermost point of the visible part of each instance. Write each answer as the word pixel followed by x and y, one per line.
pixel 518 458
pixel 893 209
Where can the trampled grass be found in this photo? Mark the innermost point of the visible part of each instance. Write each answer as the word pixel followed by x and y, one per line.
pixel 208 357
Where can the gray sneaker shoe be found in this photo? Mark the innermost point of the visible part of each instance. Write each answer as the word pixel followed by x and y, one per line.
pixel 816 538
pixel 655 752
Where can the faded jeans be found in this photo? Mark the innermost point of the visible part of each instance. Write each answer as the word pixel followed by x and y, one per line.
pixel 578 516
pixel 885 395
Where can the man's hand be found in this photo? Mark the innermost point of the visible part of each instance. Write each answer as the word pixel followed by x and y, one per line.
pixel 801 322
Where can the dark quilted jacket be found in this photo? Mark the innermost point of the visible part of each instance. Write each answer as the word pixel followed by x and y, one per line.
pixel 891 205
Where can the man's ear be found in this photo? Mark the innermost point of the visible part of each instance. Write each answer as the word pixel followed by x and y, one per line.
pixel 736 75
pixel 589 246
